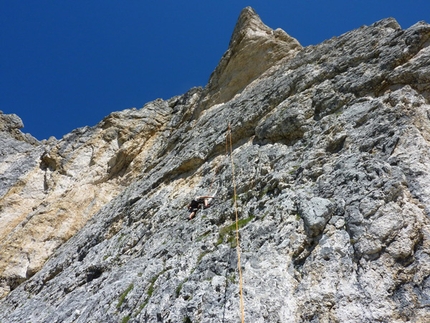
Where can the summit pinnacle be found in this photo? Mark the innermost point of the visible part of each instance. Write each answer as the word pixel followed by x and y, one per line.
pixel 253 49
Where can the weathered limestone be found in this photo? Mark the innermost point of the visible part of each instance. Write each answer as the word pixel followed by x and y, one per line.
pixel 253 49
pixel 11 123
pixel 331 158
pixel 52 190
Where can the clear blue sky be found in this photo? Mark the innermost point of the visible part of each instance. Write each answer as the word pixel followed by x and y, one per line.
pixel 66 64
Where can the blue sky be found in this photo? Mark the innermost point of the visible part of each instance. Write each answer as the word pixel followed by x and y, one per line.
pixel 67 64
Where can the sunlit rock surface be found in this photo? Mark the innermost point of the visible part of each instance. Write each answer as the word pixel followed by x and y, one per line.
pixel 332 167
pixel 253 49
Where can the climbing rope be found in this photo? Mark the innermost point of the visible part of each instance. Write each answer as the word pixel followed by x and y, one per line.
pixel 242 307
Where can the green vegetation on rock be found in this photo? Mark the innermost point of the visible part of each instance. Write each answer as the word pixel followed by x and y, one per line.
pixel 227 233
pixel 124 295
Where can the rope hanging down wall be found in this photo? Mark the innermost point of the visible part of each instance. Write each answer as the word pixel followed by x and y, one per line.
pixel 242 307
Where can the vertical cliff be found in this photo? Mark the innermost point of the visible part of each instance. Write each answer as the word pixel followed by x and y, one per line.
pixel 330 146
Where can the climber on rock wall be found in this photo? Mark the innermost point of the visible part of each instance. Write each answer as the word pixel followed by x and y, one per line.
pixel 199 202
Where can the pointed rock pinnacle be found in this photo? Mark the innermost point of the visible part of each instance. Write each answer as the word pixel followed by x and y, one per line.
pixel 253 49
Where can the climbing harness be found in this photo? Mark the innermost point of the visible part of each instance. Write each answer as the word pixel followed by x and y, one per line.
pixel 242 307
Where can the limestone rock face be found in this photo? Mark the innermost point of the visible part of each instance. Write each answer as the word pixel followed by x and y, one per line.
pixel 11 124
pixel 253 49
pixel 49 191
pixel 330 151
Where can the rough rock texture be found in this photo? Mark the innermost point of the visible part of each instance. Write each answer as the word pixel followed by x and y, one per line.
pixel 332 166
pixel 253 49
pixel 11 124
pixel 49 191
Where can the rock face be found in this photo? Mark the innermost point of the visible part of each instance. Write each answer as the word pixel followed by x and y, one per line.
pixel 253 49
pixel 50 190
pixel 330 147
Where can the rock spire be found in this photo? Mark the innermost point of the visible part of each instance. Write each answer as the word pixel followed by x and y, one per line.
pixel 253 49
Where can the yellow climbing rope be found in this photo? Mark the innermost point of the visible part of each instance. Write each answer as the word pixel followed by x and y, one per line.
pixel 242 307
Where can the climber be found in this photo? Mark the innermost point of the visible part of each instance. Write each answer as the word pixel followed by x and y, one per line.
pixel 199 202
